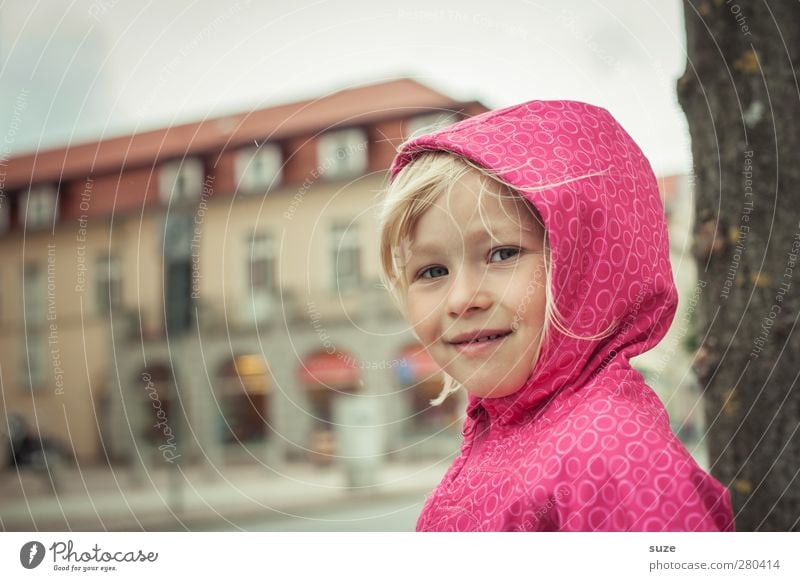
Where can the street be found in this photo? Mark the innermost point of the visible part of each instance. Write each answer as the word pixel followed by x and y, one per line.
pixel 395 514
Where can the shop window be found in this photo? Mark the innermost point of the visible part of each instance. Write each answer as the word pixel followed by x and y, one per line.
pixel 426 416
pixel 243 390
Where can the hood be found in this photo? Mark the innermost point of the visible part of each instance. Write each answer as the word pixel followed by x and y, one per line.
pixel 607 233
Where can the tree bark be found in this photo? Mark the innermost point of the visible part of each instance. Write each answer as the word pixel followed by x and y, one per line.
pixel 741 96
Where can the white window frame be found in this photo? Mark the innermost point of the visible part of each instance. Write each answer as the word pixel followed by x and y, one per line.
pixel 342 153
pixel 429 122
pixel 259 169
pixel 345 245
pixel 181 180
pixel 261 247
pixel 39 207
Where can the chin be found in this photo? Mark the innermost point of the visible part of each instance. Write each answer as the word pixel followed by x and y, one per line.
pixel 483 391
pixel 501 393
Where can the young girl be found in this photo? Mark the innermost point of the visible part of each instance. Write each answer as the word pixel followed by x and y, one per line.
pixel 527 248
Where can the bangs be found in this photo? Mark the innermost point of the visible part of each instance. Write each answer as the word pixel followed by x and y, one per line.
pixel 415 189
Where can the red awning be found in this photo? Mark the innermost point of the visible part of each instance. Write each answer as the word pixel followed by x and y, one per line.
pixel 328 369
pixel 420 365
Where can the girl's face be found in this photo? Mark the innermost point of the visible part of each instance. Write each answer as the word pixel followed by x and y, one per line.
pixel 461 282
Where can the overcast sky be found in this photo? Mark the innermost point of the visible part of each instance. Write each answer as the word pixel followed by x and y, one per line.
pixel 80 70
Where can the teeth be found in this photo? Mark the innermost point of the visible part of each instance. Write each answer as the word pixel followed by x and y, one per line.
pixel 483 339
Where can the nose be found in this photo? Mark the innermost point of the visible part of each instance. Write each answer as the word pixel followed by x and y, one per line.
pixel 468 293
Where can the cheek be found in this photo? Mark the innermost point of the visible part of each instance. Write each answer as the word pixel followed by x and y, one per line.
pixel 530 310
pixel 536 318
pixel 538 304
pixel 529 299
pixel 420 315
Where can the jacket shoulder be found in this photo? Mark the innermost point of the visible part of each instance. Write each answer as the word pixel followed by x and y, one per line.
pixel 620 467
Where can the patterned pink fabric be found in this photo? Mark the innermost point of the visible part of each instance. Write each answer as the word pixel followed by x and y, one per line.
pixel 586 443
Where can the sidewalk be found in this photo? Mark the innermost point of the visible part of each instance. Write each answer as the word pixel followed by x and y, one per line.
pixel 186 497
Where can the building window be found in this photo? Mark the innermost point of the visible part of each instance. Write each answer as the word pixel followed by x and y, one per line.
pixel 262 263
pixel 181 180
pixel 33 293
pixel 34 360
pixel 34 342
pixel 160 386
pixel 5 214
pixel 346 256
pixel 40 207
pixel 428 123
pixel 178 303
pixel 108 284
pixel 178 231
pixel 243 394
pixel 342 153
pixel 179 292
pixel 261 277
pixel 258 169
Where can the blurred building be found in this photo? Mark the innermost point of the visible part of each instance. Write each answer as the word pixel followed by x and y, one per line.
pixel 207 291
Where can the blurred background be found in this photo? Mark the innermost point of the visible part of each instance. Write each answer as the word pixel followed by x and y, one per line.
pixel 193 334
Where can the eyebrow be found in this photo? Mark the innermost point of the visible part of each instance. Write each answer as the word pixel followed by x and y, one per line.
pixel 432 247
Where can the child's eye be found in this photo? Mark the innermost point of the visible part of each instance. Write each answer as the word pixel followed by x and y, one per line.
pixel 432 268
pixel 514 250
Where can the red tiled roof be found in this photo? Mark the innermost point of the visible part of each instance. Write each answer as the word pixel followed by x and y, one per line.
pixel 361 104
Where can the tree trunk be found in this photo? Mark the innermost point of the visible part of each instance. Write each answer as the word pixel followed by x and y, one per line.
pixel 741 97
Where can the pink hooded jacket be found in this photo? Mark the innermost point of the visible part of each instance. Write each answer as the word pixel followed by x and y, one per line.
pixel 585 444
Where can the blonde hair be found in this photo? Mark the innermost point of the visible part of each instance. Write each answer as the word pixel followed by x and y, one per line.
pixel 416 188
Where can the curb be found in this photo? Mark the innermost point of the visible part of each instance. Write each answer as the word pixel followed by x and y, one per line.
pixel 163 519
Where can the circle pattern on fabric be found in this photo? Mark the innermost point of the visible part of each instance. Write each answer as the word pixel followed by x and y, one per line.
pixel 601 455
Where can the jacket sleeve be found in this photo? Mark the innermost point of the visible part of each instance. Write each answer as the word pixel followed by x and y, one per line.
pixel 639 477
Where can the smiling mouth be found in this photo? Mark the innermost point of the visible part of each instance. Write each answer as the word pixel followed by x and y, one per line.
pixel 484 339
pixel 481 347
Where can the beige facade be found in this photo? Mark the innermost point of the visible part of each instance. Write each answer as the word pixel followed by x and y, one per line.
pixel 53 342
pixel 216 303
pixel 309 314
pixel 241 319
